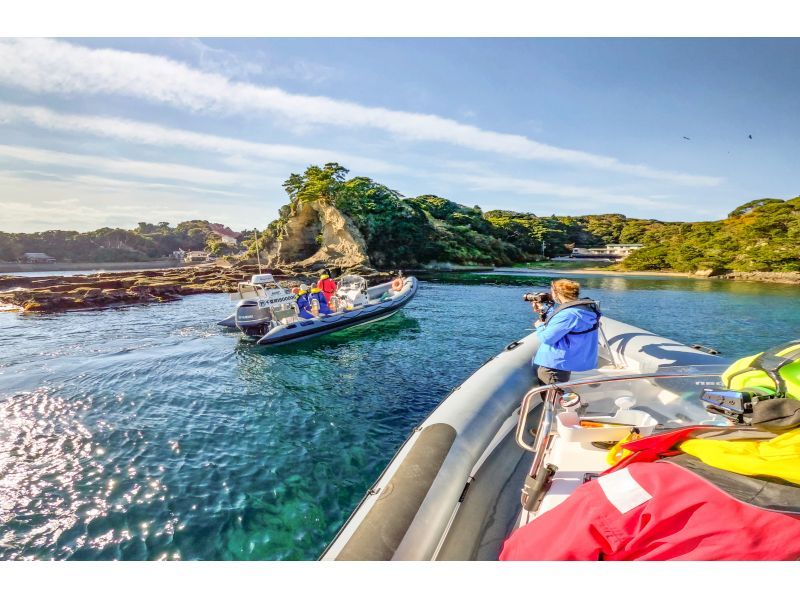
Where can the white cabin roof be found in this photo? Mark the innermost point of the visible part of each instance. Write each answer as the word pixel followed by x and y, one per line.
pixel 262 278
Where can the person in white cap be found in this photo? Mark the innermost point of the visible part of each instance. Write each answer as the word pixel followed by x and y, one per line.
pixel 303 303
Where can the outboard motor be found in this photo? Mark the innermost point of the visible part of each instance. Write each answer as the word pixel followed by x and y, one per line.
pixel 253 317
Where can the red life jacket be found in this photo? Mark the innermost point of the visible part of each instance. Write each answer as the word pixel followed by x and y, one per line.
pixel 656 511
pixel 661 504
pixel 328 286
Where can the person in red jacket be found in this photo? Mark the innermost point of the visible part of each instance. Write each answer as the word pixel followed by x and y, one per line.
pixel 327 284
pixel 673 508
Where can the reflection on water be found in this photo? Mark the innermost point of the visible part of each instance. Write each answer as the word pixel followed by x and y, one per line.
pixel 150 433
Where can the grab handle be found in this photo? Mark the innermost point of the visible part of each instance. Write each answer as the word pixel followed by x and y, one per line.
pixel 546 420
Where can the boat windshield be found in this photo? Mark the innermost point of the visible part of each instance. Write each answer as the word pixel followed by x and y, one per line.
pixel 352 282
pixel 671 394
pixel 260 290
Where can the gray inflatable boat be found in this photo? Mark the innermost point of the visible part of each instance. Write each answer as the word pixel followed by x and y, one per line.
pixel 275 321
pixel 472 472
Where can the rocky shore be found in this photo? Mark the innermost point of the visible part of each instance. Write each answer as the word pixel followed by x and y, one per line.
pixel 49 294
pixel 777 277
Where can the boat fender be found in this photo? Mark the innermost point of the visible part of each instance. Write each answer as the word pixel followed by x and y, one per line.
pixel 397 284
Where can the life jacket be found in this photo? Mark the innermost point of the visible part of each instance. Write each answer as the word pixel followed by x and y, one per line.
pixel 316 293
pixel 585 304
pixel 776 369
pixel 777 457
pixel 677 505
pixel 328 286
pixel 304 305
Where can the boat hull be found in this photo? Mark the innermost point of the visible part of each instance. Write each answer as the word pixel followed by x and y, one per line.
pixel 452 490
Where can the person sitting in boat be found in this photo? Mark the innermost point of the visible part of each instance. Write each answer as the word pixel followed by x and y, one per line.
pixel 327 284
pixel 568 334
pixel 318 301
pixel 304 302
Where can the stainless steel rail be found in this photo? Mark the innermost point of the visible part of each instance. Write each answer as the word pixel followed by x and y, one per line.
pixel 540 475
pixel 551 396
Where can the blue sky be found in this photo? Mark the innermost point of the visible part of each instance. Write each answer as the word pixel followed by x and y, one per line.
pixel 110 132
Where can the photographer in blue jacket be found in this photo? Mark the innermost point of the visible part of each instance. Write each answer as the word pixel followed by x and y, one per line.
pixel 567 329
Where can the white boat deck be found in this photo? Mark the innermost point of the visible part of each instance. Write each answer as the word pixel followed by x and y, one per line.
pixel 574 461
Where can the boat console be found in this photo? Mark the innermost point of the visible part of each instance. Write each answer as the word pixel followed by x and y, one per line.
pixel 352 292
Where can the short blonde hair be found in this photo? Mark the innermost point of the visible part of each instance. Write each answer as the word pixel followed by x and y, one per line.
pixel 568 289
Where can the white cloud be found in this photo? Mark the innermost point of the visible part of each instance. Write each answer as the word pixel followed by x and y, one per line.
pixel 50 66
pixel 146 170
pixel 86 203
pixel 107 183
pixel 586 196
pixel 149 134
pixel 220 61
pixel 245 65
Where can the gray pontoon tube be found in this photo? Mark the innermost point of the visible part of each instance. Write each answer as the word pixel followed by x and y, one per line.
pixel 406 514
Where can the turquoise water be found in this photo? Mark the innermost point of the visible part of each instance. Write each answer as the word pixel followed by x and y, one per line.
pixel 149 433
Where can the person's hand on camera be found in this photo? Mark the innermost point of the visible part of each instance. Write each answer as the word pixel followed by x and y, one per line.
pixel 538 323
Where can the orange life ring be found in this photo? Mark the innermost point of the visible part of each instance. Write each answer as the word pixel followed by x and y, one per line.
pixel 397 284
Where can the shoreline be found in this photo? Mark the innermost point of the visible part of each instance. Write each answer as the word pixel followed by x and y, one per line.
pixel 15 268
pixel 602 272
pixel 63 291
pixel 784 278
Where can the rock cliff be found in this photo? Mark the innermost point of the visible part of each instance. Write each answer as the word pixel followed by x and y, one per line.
pixel 314 235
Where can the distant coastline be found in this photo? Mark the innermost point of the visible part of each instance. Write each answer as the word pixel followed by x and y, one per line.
pixel 602 271
pixel 771 277
pixel 11 267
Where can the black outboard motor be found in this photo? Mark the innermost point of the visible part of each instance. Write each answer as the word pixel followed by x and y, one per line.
pixel 253 319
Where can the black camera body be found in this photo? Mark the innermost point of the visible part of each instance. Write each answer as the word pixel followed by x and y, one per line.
pixel 542 302
pixel 543 298
pixel 734 405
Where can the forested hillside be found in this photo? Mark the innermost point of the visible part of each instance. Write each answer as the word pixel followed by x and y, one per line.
pixel 761 235
pixel 401 231
pixel 146 241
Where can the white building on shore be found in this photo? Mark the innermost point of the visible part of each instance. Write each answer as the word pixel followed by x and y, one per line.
pixel 615 251
pixel 194 257
pixel 37 258
pixel 226 235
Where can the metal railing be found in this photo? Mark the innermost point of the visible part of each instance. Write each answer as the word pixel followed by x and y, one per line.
pixel 539 475
pixel 553 392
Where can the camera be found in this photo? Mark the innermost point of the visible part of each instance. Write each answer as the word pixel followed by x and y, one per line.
pixel 543 298
pixel 542 302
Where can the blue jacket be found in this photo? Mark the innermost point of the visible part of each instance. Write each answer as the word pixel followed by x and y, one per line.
pixel 304 305
pixel 323 302
pixel 563 351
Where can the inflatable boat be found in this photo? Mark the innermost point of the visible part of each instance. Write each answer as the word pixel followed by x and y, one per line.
pixel 500 451
pixel 268 313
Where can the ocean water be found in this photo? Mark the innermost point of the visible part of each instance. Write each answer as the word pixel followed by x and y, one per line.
pixel 149 433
